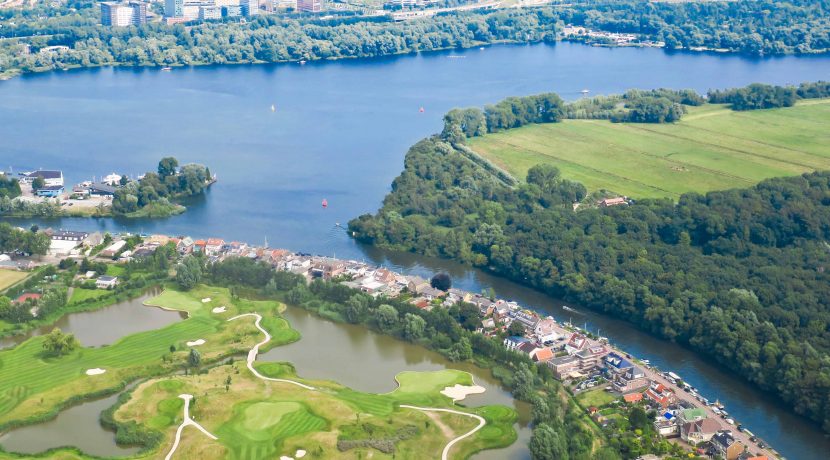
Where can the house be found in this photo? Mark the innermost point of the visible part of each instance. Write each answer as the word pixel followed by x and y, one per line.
pixel 93 239
pixel 632 380
pixel 199 246
pixel 528 348
pixel 575 343
pixel 748 456
pixel 698 431
pixel 633 398
pixel 526 319
pixel 514 342
pixel 331 268
pixel 185 245
pixel 106 282
pixel 591 357
pixel 691 415
pixel 616 364
pixel 545 330
pixel 65 235
pixel 385 276
pixel 51 178
pixel 542 355
pixel 101 189
pixel 431 293
pixel 607 202
pixel 661 395
pixel 50 191
pixel 565 367
pixel 113 249
pixel 33 296
pixel 416 284
pixel 666 426
pixel 501 312
pixel 213 246
pixel 726 446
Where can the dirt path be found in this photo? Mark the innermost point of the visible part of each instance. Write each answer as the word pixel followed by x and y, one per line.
pixel 446 453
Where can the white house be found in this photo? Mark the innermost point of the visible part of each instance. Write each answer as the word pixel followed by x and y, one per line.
pixel 51 178
pixel 112 179
pixel 106 282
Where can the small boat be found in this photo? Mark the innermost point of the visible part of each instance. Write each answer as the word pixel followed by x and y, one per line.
pixel 421 110
pixel 325 203
pixel 481 48
pixel 166 69
pixel 565 307
pixel 302 62
pixel 585 91
pixel 273 108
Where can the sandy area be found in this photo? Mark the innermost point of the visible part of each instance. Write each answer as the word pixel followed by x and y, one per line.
pixel 96 371
pixel 219 310
pixel 300 454
pixel 459 392
pixel 285 457
pixel 206 300
pixel 196 343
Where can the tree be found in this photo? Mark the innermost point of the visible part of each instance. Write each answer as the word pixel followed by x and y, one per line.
pixel 189 272
pixel 547 444
pixel 124 180
pixel 58 344
pixel 194 358
pixel 413 326
pixel 638 418
pixel 441 281
pixel 167 167
pixel 387 318
pixel 516 329
pixel 5 306
pixel 38 183
pixel 461 350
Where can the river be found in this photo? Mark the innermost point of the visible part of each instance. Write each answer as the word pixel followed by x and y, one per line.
pixel 339 132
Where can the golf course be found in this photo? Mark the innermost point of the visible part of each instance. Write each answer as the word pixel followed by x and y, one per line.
pixel 255 410
pixel 711 148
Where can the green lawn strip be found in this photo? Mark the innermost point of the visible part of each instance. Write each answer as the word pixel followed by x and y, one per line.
pixel 597 398
pixel 712 148
pixel 81 295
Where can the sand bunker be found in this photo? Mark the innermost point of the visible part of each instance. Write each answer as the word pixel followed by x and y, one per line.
pixel 300 454
pixel 219 310
pixel 96 371
pixel 206 300
pixel 196 343
pixel 459 392
pixel 284 457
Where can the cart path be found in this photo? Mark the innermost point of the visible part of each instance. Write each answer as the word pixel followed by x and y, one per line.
pixel 446 453
pixel 187 422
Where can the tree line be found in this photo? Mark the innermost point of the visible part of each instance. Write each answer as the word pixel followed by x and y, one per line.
pixel 739 276
pixel 746 26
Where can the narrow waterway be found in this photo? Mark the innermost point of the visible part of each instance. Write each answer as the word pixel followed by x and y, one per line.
pixel 106 325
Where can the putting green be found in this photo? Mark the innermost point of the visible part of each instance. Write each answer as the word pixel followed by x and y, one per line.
pixel 263 415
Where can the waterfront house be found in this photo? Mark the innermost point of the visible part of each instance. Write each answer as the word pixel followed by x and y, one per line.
pixel 633 398
pixel 545 330
pixel 100 189
pixel 185 245
pixel 513 343
pixel 416 284
pixel 616 364
pixel 213 246
pixel 51 178
pixel 65 235
pixel 565 367
pixel 698 431
pixel 199 246
pixel 385 276
pixel 575 343
pixel 542 355
pixel 666 426
pixel 50 191
pixel 106 282
pixel 113 249
pixel 661 395
pixel 726 446
pixel 526 319
pixel 749 456
pixel 632 380
pixel 691 415
pixel 501 312
pixel 591 357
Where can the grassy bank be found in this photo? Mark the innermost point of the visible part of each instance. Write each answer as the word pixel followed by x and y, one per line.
pixel 711 148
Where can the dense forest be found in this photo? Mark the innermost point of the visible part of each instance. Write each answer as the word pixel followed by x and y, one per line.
pixel 738 275
pixel 746 26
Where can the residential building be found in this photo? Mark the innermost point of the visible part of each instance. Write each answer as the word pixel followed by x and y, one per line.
pixel 50 191
pixel 284 4
pixel 33 296
pixel 101 189
pixel 632 380
pixel 632 398
pixel 565 367
pixel 106 282
pixel 526 319
pixel 249 7
pixel 174 8
pixel 117 14
pixel 691 415
pixel 210 12
pixel 576 343
pixel 545 331
pixel 310 6
pixel 113 249
pixel 591 358
pixel 51 178
pixel 666 426
pixel 513 343
pixel 542 355
pixel 213 246
pixel 661 395
pixel 65 235
pixel 726 446
pixel 698 431
pixel 231 11
pixel 616 364
pixel 607 202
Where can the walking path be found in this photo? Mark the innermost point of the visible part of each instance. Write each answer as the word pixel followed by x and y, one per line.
pixel 187 421
pixel 446 453
pixel 255 351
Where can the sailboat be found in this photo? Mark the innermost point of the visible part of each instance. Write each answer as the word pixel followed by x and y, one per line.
pixel 325 203
pixel 585 91
pixel 273 108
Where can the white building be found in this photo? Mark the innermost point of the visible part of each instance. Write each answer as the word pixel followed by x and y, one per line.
pixel 210 12
pixel 112 179
pixel 106 282
pixel 50 178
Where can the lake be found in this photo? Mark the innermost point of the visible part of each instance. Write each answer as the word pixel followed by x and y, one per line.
pixel 339 132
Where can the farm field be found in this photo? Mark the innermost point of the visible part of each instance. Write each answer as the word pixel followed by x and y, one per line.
pixel 10 277
pixel 711 148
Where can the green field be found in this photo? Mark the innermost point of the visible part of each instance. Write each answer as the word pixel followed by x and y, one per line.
pixel 711 148
pixel 10 277
pixel 597 397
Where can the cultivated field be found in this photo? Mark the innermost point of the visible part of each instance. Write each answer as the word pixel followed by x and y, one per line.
pixel 10 277
pixel 712 148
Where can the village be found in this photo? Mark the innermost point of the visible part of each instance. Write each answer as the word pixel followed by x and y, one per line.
pixel 605 378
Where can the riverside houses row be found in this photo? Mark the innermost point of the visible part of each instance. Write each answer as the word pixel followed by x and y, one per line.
pixel 572 354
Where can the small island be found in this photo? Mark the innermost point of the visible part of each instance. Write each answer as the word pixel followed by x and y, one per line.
pixel 42 193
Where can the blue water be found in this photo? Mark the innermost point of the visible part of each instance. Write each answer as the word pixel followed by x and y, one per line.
pixel 340 132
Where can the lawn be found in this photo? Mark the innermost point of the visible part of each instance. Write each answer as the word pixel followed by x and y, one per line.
pixel 80 294
pixel 10 277
pixel 597 398
pixel 711 148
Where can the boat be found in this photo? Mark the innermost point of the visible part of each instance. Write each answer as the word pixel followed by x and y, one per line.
pixel 585 91
pixel 325 203
pixel 567 308
pixel 166 69
pixel 421 110
pixel 273 108
pixel 302 62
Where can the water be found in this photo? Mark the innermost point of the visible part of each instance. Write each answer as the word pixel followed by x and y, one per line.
pixel 106 325
pixel 375 359
pixel 340 132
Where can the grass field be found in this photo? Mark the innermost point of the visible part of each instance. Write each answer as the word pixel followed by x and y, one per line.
pixel 597 397
pixel 711 148
pixel 10 277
